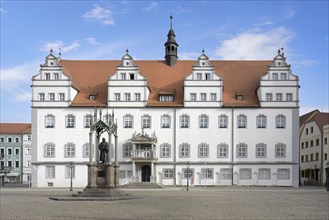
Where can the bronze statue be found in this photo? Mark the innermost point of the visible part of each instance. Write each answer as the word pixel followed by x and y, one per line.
pixel 104 150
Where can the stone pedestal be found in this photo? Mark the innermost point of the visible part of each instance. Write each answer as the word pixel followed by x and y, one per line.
pixel 103 176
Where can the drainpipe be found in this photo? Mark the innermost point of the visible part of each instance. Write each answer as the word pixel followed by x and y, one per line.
pixel 21 159
pixel 321 158
pixel 232 141
pixel 175 146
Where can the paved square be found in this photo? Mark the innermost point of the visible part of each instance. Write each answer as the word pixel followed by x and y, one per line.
pixel 172 203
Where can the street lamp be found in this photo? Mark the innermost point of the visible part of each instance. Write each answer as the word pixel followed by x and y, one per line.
pixel 71 175
pixel 187 175
pixel 315 172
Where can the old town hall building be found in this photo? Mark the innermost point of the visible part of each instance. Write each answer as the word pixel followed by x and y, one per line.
pixel 222 122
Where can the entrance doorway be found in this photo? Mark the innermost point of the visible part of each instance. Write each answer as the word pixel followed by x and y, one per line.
pixel 146 173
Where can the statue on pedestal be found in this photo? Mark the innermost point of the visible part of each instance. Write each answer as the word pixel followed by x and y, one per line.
pixel 103 147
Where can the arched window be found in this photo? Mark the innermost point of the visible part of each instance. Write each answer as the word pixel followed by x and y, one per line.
pixel 128 121
pixel 69 150
pixel 280 121
pixel 50 121
pixel 184 121
pixel 203 150
pixel 49 150
pixel 203 121
pixel 70 121
pixel 222 150
pixel 184 150
pixel 241 150
pixel 165 150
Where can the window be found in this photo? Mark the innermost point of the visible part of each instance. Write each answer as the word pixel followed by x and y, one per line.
pixel 41 97
pixel 49 150
pixel 289 97
pixel 128 121
pixel 85 149
pixel 311 143
pixel 165 121
pixel 16 163
pixel 317 142
pixel 193 97
pixel 70 121
pixel 117 97
pixel 184 121
pixel 16 140
pixel 264 173
pixel 207 173
pixel 306 158
pixel 10 140
pixel 56 76
pixel 127 148
pixel 203 121
pixel 69 171
pixel 241 150
pixel 69 150
pixel 51 96
pixel 184 150
pixel 203 150
pixel 260 150
pixel 61 96
pixel 137 96
pixel 2 140
pixel 190 173
pixel 222 121
pixel 280 121
pixel 199 76
pixel 165 150
pixel 127 96
pixel 279 97
pixel 316 156
pixel 269 97
pixel 242 121
pixel 129 173
pixel 207 76
pixel 50 172
pixel 302 158
pixel 168 173
pixel 245 174
pixel 28 151
pixel 325 156
pixel 131 76
pixel 88 120
pixel 306 131
pixel 166 98
pixel 122 174
pixel 213 97
pixel 283 174
pixel 325 141
pixel 311 130
pixel 16 151
pixel 9 163
pixel 311 157
pixel 306 144
pixel 203 97
pixel 280 150
pixel 283 76
pixel 146 121
pixel 261 121
pixel 50 121
pixel 225 174
pixel 10 151
pixel 275 76
pixel 222 150
pixel 47 76
pixel 123 76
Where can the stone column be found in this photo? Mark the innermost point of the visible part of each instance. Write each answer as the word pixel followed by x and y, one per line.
pixel 152 172
pixel 91 152
pixel 134 172
pixel 116 150
pixel 109 151
pixel 96 149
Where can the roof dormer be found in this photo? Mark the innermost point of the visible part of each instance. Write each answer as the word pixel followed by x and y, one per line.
pixel 203 60
pixel 127 60
pixel 280 60
pixel 51 60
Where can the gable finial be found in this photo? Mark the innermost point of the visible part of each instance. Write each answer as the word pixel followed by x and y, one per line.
pixel 203 51
pixel 51 50
pixel 171 17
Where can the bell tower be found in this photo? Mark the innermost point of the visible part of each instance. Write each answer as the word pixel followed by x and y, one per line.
pixel 171 47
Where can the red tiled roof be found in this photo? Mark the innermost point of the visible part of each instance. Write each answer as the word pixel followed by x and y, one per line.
pixel 90 78
pixel 15 128
pixel 320 118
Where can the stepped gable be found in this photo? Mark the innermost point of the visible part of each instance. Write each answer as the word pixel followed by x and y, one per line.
pixel 90 77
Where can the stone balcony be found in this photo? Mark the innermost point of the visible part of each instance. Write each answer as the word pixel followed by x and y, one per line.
pixel 143 155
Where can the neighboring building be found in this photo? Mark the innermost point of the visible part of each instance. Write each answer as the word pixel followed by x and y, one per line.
pixel 314 147
pixel 15 149
pixel 325 167
pixel 233 122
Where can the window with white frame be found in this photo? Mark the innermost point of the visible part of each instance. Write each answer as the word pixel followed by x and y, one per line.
pixel 168 173
pixel 50 172
pixel 245 174
pixel 203 96
pixel 127 96
pixel 280 150
pixel 207 173
pixel 85 150
pixel 165 121
pixel 47 76
pixel 137 96
pixel 41 97
pixel 49 121
pixel 70 121
pixel 146 121
pixel 184 150
pixel 88 120
pixel 213 97
pixel 289 97
pixel 203 121
pixel 264 173
pixel 128 121
pixel 165 150
pixel 69 171
pixel 166 98
pixel 242 121
pixel 280 121
pixel 225 173
pixel 260 150
pixel 129 173
pixel 56 76
pixel 122 174
pixel 222 121
pixel 49 150
pixel 275 76
pixel 283 76
pixel 69 150
pixel 203 150
pixel 261 121
pixel 283 174
pixel 17 139
pixel 51 96
pixel 199 76
pixel 193 97
pixel 269 97
pixel 207 76
pixel 123 76
pixel 61 96
pixel 187 173
pixel 127 148
pixel 279 97
pixel 241 150
pixel 117 96
pixel 184 121
pixel 222 150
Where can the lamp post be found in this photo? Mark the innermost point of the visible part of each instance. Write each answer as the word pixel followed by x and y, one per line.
pixel 315 172
pixel 71 176
pixel 187 175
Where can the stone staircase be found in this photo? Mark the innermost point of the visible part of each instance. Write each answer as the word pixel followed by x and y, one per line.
pixel 99 192
pixel 142 185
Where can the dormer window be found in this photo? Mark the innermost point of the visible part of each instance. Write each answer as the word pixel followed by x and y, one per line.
pixel 92 97
pixel 207 76
pixel 132 76
pixel 47 76
pixel 239 96
pixel 275 76
pixel 166 98
pixel 199 76
pixel 123 76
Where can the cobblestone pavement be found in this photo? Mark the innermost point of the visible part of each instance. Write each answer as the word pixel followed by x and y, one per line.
pixel 172 203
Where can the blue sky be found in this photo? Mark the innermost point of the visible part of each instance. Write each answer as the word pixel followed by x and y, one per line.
pixel 99 30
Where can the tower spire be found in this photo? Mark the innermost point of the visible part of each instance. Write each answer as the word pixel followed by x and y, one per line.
pixel 171 46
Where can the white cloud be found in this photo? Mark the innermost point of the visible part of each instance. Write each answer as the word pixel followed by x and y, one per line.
pixel 23 97
pixel 152 7
pixel 92 40
pixel 255 44
pixel 3 11
pixel 56 45
pixel 303 63
pixel 181 10
pixel 100 14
